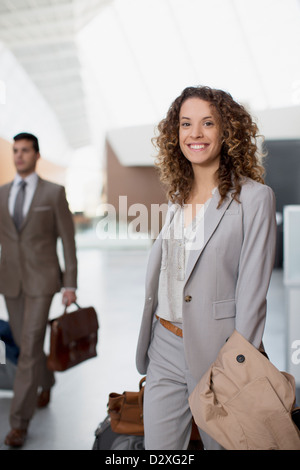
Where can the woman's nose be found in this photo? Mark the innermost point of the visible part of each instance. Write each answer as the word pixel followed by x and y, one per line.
pixel 197 131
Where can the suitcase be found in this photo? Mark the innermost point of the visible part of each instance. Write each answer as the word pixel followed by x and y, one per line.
pixel 7 375
pixel 106 439
pixel 296 416
pixel 12 350
pixel 11 354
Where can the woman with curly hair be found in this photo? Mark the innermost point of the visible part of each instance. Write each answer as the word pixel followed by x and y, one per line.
pixel 209 270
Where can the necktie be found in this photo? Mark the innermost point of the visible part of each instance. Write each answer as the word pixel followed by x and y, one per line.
pixel 18 209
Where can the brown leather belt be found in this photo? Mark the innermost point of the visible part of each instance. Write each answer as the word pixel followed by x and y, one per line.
pixel 167 324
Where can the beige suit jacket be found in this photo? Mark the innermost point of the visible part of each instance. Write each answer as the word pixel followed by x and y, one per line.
pixel 244 402
pixel 29 259
pixel 226 281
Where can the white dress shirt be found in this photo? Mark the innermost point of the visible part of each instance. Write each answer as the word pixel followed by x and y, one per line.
pixel 30 188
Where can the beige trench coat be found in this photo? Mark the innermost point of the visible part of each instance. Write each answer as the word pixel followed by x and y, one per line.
pixel 244 402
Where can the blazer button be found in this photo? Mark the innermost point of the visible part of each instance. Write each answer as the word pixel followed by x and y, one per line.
pixel 188 298
pixel 240 358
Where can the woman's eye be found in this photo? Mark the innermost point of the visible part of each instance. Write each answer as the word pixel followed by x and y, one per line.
pixel 208 123
pixel 185 124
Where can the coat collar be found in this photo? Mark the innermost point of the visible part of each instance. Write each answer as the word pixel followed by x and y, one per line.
pixel 7 217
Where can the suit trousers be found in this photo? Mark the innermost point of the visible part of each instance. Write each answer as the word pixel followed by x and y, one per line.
pixel 167 415
pixel 28 317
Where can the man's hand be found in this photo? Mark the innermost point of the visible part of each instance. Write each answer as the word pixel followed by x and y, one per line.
pixel 69 296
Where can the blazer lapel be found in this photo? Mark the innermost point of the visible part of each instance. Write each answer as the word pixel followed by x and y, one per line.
pixel 212 219
pixel 8 218
pixel 36 196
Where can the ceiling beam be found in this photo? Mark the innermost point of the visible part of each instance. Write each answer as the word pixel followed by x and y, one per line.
pixel 40 13
pixel 13 39
pixel 53 30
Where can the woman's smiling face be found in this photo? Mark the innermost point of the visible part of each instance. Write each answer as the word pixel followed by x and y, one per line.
pixel 200 136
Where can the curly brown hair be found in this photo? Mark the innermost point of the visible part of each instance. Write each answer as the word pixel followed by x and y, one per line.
pixel 240 156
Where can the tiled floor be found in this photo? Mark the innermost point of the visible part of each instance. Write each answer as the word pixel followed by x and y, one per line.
pixel 112 280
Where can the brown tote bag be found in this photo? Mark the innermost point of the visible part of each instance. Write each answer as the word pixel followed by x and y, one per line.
pixel 126 415
pixel 126 411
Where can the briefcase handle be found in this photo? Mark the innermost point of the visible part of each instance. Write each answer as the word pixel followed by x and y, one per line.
pixel 66 306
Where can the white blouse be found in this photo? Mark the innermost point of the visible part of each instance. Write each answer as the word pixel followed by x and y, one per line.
pixel 177 243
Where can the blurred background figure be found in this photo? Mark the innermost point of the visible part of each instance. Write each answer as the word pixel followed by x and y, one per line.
pixel 33 214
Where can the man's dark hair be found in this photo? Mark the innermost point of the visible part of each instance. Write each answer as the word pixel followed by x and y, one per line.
pixel 27 136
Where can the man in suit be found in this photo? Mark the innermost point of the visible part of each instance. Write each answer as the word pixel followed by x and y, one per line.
pixel 34 213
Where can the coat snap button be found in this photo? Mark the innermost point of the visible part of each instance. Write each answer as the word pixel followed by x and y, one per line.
pixel 240 358
pixel 188 298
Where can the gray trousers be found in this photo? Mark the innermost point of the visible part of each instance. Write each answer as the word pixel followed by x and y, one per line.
pixel 28 318
pixel 167 416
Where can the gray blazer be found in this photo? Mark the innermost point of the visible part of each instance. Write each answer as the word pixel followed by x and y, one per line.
pixel 226 281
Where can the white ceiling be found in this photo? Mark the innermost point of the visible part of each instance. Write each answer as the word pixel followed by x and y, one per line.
pixel 42 36
pixel 81 68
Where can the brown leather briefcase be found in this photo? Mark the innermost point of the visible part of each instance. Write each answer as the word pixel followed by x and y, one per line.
pixel 73 338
